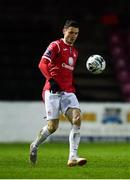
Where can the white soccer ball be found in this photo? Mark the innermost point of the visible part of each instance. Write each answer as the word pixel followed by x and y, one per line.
pixel 96 64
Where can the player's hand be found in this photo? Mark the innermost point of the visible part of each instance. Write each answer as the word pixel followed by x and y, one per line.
pixel 54 87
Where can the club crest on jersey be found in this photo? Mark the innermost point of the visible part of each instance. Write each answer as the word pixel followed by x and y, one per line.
pixel 70 61
pixel 74 54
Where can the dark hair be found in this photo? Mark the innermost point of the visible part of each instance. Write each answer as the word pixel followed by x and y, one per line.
pixel 70 23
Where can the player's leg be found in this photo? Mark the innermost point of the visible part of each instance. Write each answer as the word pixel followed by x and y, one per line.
pixel 70 107
pixel 74 137
pixel 46 131
pixel 73 115
pixel 52 105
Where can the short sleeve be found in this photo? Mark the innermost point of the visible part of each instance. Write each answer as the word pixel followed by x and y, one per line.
pixel 52 50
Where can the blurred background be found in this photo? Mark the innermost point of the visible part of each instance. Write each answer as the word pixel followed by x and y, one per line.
pixel 26 29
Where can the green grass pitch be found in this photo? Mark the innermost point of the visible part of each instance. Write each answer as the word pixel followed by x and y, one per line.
pixel 105 161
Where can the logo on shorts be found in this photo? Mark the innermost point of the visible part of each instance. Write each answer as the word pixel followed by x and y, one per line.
pixel 49 113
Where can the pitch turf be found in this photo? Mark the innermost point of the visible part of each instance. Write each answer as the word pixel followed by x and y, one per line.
pixel 105 161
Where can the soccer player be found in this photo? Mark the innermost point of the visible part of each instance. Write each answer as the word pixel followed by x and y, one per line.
pixel 57 65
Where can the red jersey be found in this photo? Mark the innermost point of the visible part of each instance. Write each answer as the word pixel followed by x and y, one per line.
pixel 62 59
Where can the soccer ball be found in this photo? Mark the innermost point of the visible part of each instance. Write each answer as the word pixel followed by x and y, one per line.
pixel 96 64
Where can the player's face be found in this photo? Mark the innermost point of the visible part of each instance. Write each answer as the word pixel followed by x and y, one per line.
pixel 70 35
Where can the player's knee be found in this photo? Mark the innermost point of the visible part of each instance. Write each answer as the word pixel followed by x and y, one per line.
pixel 77 119
pixel 52 127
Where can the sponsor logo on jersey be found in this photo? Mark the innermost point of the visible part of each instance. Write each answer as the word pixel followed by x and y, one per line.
pixel 65 49
pixel 67 66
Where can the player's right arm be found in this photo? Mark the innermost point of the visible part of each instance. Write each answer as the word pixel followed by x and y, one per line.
pixel 48 57
pixel 43 66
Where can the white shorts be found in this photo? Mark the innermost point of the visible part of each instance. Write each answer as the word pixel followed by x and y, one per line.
pixel 59 103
